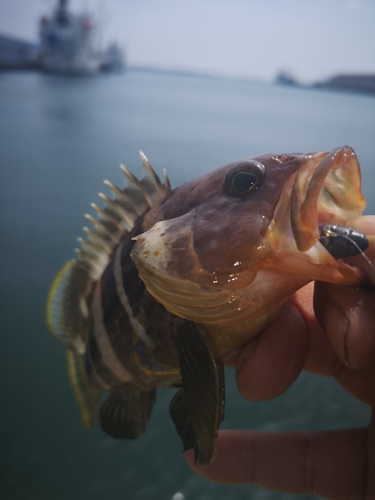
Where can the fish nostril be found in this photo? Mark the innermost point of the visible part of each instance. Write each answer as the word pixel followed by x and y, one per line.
pixel 280 158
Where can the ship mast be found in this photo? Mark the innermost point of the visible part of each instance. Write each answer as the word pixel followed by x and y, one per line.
pixel 62 12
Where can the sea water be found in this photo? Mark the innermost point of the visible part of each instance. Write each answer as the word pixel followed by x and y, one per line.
pixel 59 138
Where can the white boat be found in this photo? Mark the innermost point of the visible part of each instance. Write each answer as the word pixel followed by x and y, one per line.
pixel 113 59
pixel 68 42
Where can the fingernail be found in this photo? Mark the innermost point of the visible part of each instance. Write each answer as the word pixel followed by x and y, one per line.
pixel 336 325
pixel 246 352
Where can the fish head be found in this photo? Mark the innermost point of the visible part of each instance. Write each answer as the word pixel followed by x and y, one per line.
pixel 234 244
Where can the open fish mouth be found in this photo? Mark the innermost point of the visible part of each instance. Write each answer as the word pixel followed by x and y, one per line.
pixel 326 189
pixel 327 193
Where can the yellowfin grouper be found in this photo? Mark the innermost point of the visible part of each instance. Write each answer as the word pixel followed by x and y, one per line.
pixel 169 284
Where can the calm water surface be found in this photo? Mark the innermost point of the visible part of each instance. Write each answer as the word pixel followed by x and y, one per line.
pixel 59 138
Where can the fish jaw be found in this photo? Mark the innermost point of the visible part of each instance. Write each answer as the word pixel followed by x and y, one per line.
pixel 326 189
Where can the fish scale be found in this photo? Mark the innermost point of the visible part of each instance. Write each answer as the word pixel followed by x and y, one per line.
pixel 169 284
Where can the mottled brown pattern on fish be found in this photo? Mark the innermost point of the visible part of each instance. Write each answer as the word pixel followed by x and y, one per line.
pixel 213 262
pixel 242 222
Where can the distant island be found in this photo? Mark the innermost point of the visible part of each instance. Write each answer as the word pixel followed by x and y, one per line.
pixel 356 83
pixel 286 78
pixel 348 82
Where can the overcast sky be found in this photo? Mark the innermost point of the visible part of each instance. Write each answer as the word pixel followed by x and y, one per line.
pixel 313 39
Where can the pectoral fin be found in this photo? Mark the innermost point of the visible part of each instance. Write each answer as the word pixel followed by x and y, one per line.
pixel 181 419
pixel 124 414
pixel 198 408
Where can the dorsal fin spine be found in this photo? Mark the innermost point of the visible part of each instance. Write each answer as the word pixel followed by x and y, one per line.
pixel 121 195
pixel 106 216
pixel 151 172
pixel 102 229
pixel 73 286
pixel 123 214
pixel 91 260
pixel 87 246
pixel 97 239
pixel 167 184
pixel 137 184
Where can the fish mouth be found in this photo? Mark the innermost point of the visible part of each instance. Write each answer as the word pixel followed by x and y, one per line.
pixel 326 189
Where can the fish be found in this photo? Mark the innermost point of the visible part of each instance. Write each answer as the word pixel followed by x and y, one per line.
pixel 168 285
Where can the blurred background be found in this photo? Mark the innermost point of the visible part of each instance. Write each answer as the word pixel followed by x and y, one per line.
pixel 83 87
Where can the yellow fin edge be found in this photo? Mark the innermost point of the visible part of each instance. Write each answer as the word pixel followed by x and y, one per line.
pixel 51 295
pixel 87 418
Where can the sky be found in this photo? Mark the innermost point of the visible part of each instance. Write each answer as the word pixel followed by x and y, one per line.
pixel 311 39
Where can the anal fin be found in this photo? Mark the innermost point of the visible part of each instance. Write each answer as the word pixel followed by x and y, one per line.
pixel 198 408
pixel 124 413
pixel 181 418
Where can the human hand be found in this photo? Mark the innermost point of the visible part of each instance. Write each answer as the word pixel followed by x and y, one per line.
pixel 330 332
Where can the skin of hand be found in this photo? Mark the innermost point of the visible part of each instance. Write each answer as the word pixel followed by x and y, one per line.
pixel 325 329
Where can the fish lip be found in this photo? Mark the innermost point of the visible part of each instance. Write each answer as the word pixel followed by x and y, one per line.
pixel 326 189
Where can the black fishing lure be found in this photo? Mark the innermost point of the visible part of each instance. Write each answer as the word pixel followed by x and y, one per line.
pixel 342 241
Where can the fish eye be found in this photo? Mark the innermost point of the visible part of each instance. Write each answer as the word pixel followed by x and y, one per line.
pixel 244 178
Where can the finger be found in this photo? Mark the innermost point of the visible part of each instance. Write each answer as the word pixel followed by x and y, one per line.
pixel 366 260
pixel 364 223
pixel 331 464
pixel 266 367
pixel 321 358
pixel 347 315
pixel 359 383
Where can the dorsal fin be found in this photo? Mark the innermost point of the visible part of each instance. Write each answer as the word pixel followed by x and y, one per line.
pixel 68 299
